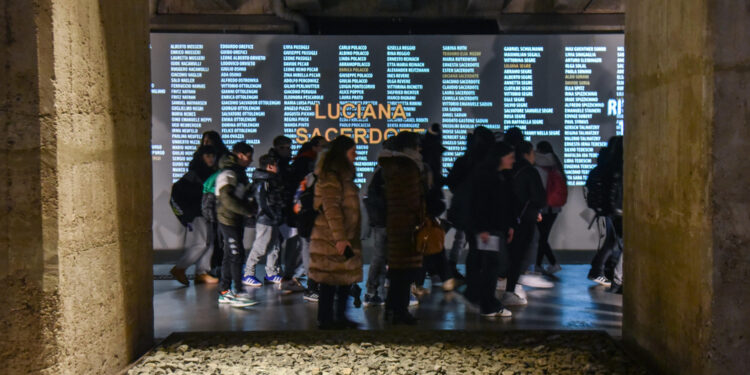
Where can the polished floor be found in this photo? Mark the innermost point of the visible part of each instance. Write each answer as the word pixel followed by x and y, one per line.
pixel 575 303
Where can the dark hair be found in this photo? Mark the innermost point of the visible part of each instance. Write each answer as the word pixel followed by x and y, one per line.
pixel 545 147
pixel 406 140
pixel 266 160
pixel 388 143
pixel 242 148
pixel 308 146
pixel 205 150
pixel 492 159
pixel 281 140
pixel 524 148
pixel 216 141
pixel 513 136
pixel 335 159
pixel 317 140
pixel 481 142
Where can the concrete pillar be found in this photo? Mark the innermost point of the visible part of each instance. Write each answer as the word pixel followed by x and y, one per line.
pixel 75 186
pixel 687 184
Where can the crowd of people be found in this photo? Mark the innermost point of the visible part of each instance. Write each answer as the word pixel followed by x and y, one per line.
pixel 505 197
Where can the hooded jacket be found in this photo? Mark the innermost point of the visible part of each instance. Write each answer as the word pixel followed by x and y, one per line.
pixel 337 198
pixel 231 188
pixel 405 184
pixel 269 193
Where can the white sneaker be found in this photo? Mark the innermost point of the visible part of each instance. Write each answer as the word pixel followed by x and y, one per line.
pixel 520 291
pixel 513 299
pixel 535 281
pixel 502 313
pixel 602 280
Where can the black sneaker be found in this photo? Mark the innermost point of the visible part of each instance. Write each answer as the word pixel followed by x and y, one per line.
pixel 311 296
pixel 615 288
pixel 356 292
pixel 373 300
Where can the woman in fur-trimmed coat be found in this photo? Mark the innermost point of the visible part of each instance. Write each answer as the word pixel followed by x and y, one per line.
pixel 335 245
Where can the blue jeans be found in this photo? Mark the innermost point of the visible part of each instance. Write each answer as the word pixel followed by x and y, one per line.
pixel 376 274
pixel 268 243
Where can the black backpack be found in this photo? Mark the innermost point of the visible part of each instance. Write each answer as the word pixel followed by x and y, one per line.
pixel 597 191
pixel 304 207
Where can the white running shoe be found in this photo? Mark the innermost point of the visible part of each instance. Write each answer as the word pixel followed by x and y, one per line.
pixel 520 291
pixel 535 281
pixel 502 313
pixel 603 280
pixel 501 283
pixel 513 299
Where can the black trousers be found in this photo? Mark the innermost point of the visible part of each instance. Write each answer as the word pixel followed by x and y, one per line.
pixel 332 302
pixel 400 289
pixel 545 228
pixel 488 271
pixel 473 269
pixel 614 232
pixel 436 264
pixel 518 251
pixel 234 257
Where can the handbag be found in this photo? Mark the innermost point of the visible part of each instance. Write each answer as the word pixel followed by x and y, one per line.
pixel 430 237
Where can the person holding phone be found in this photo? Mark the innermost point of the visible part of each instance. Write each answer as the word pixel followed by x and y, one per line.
pixel 335 245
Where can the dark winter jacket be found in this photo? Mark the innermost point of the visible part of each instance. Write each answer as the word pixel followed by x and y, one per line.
pixel 186 197
pixel 269 194
pixel 531 197
pixel 459 173
pixel 231 192
pixel 405 205
pixel 493 203
pixel 303 164
pixel 375 202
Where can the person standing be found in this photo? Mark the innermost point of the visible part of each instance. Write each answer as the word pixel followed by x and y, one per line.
pixel 530 200
pixel 492 223
pixel 405 187
pixel 187 194
pixel 297 263
pixel 376 212
pixel 231 188
pixel 335 245
pixel 555 183
pixel 459 213
pixel 269 195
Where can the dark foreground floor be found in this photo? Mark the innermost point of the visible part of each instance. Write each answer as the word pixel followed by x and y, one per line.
pixel 389 352
pixel 574 304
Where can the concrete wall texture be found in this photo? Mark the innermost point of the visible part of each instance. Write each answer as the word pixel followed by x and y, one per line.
pixel 687 212
pixel 75 246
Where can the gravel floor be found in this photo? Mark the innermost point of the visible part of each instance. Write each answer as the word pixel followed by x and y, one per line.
pixel 407 351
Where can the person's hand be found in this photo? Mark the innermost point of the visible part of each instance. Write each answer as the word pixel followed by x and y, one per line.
pixel 538 218
pixel 510 235
pixel 484 236
pixel 341 246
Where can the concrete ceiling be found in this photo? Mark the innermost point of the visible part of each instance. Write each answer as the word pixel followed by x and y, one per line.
pixel 390 8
